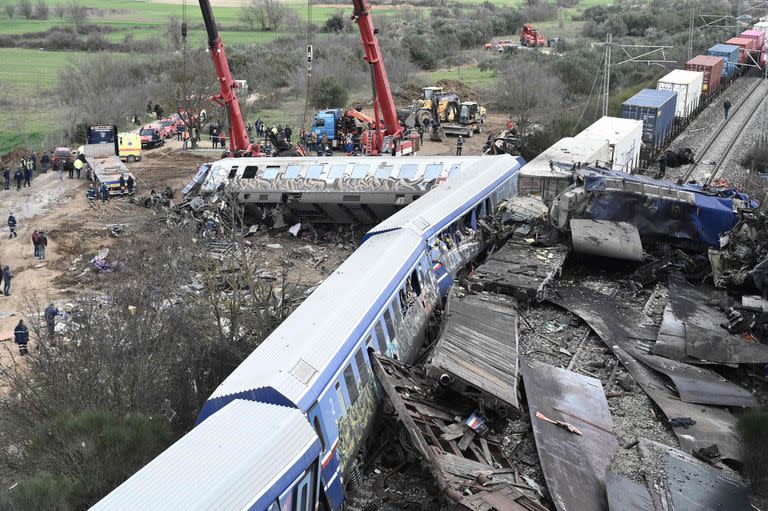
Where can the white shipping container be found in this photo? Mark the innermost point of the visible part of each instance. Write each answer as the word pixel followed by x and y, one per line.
pixel 688 85
pixel 762 25
pixel 537 178
pixel 624 137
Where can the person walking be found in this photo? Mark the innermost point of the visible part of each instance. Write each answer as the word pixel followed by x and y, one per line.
pixel 91 194
pixel 223 140
pixel 70 168
pixel 44 161
pixel 21 336
pixel 33 159
pixel 78 164
pixel 7 280
pixel 130 183
pixel 459 145
pixel 35 240
pixel 726 108
pixel 50 319
pixel 185 138
pixel 18 176
pixel 421 134
pixel 42 244
pixel 6 179
pixel 214 135
pixel 104 193
pixel 12 225
pixel 662 164
pixel 28 174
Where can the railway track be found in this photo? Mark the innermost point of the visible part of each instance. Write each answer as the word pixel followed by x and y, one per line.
pixel 717 149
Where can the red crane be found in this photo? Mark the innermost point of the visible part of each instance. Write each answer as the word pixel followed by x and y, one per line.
pixel 240 145
pixel 383 102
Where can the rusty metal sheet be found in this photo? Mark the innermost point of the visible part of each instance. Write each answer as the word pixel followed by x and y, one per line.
pixel 574 465
pixel 713 425
pixel 626 495
pixel 618 240
pixel 697 487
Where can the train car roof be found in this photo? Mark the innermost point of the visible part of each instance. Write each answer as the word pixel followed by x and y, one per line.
pixel 297 361
pixel 439 207
pixel 243 457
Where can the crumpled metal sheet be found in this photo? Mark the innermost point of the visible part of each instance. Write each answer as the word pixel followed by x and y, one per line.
pixel 697 487
pixel 574 465
pixel 626 495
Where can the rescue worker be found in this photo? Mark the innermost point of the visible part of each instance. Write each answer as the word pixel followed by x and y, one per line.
pixel 663 164
pixel 70 168
pixel 12 225
pixel 35 239
pixel 7 280
pixel 6 178
pixel 726 108
pixel 28 174
pixel 50 319
pixel 130 183
pixel 104 193
pixel 288 133
pixel 421 134
pixel 91 194
pixel 122 184
pixel 18 176
pixel 214 133
pixel 42 244
pixel 44 161
pixel 33 159
pixel 459 145
pixel 179 131
pixel 21 336
pixel 78 164
pixel 223 140
pixel 185 138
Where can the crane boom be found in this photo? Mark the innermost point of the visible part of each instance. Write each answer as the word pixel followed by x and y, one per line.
pixel 383 102
pixel 227 96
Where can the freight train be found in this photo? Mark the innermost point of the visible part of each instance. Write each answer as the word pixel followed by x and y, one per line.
pixel 282 432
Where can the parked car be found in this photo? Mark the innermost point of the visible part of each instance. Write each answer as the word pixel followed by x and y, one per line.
pixel 62 154
pixel 168 127
pixel 151 136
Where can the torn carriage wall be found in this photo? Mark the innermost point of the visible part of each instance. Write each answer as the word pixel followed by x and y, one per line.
pixel 687 215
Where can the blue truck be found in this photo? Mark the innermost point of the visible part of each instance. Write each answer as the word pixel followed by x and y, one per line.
pixel 336 123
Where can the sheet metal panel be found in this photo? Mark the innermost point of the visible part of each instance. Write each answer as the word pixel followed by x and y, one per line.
pixel 299 358
pixel 574 465
pixel 626 495
pixel 245 455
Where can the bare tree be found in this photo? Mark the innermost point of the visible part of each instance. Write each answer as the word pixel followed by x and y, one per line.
pixel 10 10
pixel 25 8
pixel 173 32
pixel 42 10
pixel 78 13
pixel 60 10
pixel 194 88
pixel 528 104
pixel 268 14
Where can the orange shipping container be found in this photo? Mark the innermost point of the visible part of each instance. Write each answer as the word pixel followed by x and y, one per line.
pixel 711 66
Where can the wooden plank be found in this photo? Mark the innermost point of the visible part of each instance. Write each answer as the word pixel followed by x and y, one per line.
pixel 486 452
pixel 453 431
pixel 469 435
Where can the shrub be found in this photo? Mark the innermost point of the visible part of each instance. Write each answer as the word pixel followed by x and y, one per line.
pixel 42 10
pixel 328 93
pixel 25 8
pixel 334 24
pixel 10 10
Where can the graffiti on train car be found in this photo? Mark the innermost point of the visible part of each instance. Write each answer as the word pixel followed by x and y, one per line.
pixel 342 184
pixel 353 424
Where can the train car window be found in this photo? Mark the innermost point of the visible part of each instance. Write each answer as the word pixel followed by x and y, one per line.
pixel 319 431
pixel 362 367
pixel 383 172
pixel 342 401
pixel 337 171
pixel 433 171
pixel 488 207
pixel 275 506
pixel 314 172
pixel 360 171
pixel 287 500
pixel 455 169
pixel 408 171
pixel 292 172
pixel 271 172
pixel 380 337
pixel 349 379
pixel 389 323
pixel 369 341
pixel 397 308
pixel 415 285
pixel 233 171
pixel 303 503
pixel 250 171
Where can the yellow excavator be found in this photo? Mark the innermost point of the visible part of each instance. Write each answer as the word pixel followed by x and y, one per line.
pixel 447 105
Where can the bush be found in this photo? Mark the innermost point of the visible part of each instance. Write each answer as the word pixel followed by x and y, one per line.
pixel 328 93
pixel 334 24
pixel 10 10
pixel 753 430
pixel 25 8
pixel 42 10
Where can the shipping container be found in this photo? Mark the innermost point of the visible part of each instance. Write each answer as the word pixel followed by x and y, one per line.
pixel 730 55
pixel 688 86
pixel 711 66
pixel 539 178
pixel 624 137
pixel 758 36
pixel 656 108
pixel 745 44
pixel 761 26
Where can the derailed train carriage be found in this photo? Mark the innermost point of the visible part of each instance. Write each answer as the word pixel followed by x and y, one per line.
pixel 283 431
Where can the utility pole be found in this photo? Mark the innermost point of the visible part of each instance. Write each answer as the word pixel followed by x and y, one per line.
pixel 607 73
pixel 690 37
